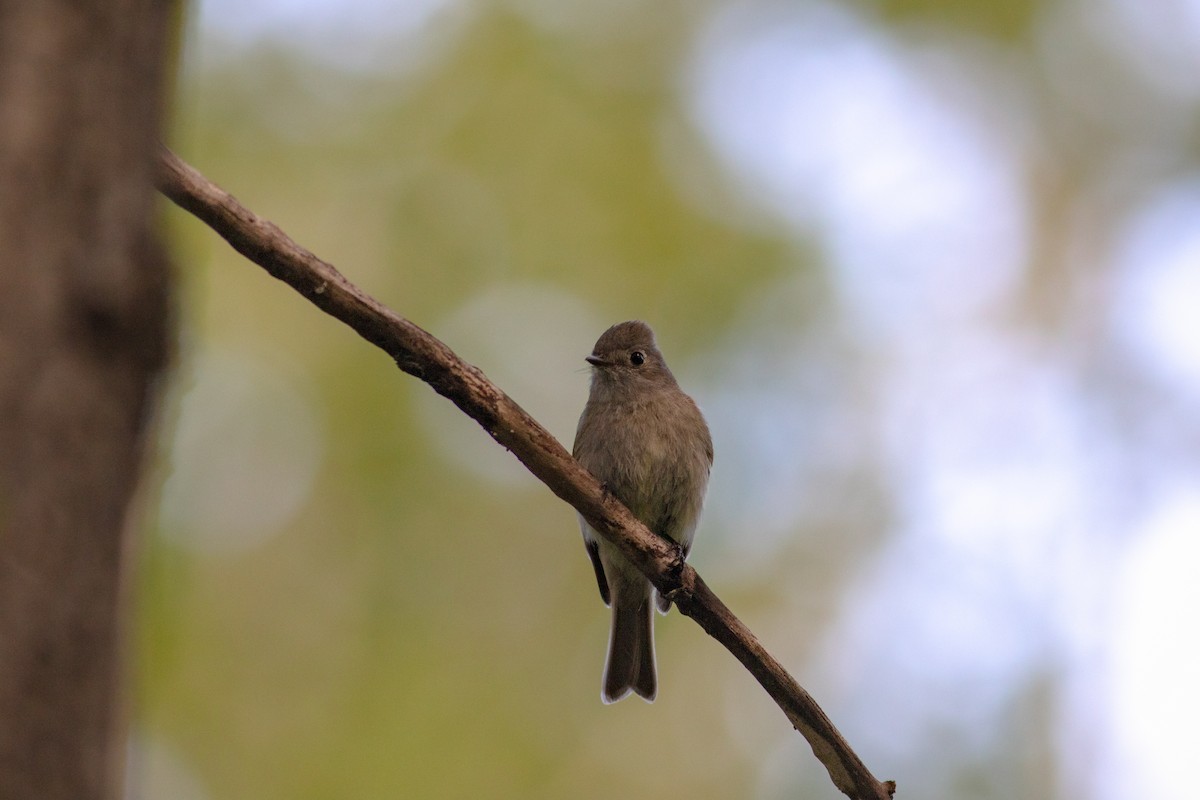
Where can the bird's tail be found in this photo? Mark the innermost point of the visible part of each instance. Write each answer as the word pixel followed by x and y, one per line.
pixel 630 665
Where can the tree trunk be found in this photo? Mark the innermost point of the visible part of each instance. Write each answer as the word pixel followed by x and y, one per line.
pixel 84 300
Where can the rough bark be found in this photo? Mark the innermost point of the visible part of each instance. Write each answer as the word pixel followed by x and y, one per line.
pixel 83 331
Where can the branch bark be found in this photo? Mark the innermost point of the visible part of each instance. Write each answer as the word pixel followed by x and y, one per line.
pixel 420 354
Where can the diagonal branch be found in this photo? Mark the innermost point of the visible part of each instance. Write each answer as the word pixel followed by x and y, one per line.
pixel 422 355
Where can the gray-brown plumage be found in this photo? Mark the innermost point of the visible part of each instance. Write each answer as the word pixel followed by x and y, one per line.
pixel 648 443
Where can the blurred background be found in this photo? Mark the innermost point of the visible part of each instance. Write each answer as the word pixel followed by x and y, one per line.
pixel 931 269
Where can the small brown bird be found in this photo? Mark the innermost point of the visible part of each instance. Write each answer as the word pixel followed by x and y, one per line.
pixel 647 442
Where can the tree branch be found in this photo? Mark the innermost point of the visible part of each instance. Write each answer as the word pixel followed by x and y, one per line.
pixel 423 356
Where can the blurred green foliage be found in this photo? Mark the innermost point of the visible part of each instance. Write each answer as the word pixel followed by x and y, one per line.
pixel 413 627
pixel 410 632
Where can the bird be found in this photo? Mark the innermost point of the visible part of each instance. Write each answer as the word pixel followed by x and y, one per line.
pixel 648 444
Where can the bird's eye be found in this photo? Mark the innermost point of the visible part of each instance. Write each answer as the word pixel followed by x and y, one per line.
pixel 637 358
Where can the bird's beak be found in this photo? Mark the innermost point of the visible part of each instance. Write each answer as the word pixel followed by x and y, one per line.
pixel 596 361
